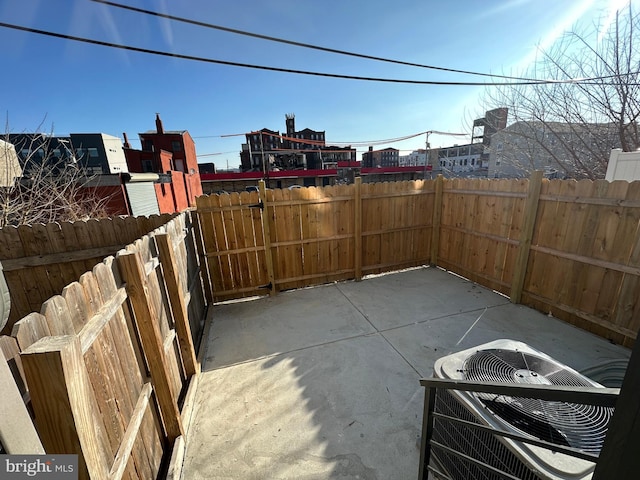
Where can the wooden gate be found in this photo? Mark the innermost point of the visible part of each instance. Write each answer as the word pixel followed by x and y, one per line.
pixel 234 243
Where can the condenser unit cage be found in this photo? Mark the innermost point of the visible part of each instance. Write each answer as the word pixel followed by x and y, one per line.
pixel 454 445
pixel 481 445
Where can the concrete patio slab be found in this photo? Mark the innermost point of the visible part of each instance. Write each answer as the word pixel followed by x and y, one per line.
pixel 291 320
pixel 390 301
pixel 324 383
pixel 329 411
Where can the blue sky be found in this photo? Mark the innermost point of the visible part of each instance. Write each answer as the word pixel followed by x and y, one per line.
pixel 64 86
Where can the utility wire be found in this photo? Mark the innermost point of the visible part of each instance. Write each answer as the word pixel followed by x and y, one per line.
pixel 222 136
pixel 288 70
pixel 305 45
pixel 329 144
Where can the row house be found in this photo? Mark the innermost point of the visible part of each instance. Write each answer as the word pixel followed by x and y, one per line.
pixel 160 177
pixel 460 158
pixel 414 159
pixel 168 158
pixel 94 153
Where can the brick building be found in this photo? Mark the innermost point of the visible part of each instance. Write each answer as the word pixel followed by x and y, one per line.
pixel 267 150
pixel 171 155
pixel 387 157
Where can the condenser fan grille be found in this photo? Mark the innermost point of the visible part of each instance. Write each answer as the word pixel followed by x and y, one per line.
pixel 579 426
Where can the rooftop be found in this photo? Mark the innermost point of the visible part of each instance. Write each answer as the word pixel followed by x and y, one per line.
pixel 323 382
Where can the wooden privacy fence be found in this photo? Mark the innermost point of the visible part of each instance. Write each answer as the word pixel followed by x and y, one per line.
pixel 40 260
pixel 563 247
pixel 283 239
pixel 110 363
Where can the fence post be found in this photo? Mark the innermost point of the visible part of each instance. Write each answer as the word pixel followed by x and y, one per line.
pixel 178 303
pixel 17 432
pixel 436 219
pixel 358 228
pixel 427 431
pixel 64 404
pixel 266 229
pixel 528 224
pixel 619 455
pixel 133 273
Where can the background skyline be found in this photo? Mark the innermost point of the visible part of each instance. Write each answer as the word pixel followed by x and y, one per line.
pixel 62 86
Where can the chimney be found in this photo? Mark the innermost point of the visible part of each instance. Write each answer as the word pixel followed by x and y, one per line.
pixel 126 140
pixel 291 123
pixel 159 127
pixel 371 149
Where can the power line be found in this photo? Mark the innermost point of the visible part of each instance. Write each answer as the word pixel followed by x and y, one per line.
pixel 285 70
pixel 325 143
pixel 221 136
pixel 214 154
pixel 305 45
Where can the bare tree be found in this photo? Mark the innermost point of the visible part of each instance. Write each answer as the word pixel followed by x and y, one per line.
pixel 43 188
pixel 573 126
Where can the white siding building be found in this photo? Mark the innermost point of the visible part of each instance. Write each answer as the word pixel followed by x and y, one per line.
pixel 460 158
pixel 9 164
pixel 623 166
pixel 417 158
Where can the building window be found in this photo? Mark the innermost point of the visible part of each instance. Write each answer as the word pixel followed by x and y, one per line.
pixel 93 152
pixel 147 166
pixel 176 146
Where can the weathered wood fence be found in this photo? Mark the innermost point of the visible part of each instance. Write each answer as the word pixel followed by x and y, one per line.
pixel 40 260
pixel 108 366
pixel 563 247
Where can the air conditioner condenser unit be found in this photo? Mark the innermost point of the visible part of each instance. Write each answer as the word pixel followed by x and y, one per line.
pixel 579 426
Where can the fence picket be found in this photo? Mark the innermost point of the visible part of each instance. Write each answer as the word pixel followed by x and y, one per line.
pixel 132 270
pixel 178 303
pixel 28 330
pixel 122 368
pixel 56 312
pixel 103 283
pixel 61 394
